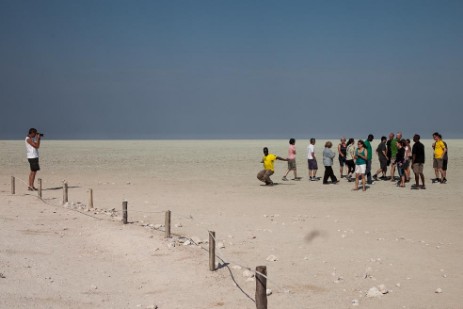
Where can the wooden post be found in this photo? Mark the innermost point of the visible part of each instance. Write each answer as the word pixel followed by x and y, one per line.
pixel 167 224
pixel 13 185
pixel 90 199
pixel 211 250
pixel 65 192
pixel 40 187
pixel 261 287
pixel 124 212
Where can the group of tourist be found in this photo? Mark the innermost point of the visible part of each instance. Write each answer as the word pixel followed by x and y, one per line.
pixel 355 161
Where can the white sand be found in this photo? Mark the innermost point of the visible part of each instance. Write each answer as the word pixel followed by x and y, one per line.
pixel 327 238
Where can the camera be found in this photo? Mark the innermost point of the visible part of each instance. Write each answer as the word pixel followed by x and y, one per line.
pixel 41 134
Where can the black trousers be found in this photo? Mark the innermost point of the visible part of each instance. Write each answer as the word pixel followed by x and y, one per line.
pixel 329 174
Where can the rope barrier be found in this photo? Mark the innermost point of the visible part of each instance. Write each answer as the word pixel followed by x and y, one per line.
pixel 219 255
pixel 56 206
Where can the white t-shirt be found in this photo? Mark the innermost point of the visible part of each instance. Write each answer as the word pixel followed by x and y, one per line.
pixel 32 152
pixel 310 150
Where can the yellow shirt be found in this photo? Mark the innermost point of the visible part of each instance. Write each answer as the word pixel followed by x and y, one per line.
pixel 268 162
pixel 439 149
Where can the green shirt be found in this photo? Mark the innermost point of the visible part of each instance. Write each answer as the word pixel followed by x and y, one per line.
pixel 370 151
pixel 393 148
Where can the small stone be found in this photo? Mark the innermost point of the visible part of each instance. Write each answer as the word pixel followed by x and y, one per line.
pixel 187 243
pixel 374 292
pixel 171 245
pixel 367 273
pixel 152 307
pixel 247 273
pixel 220 245
pixel 355 302
pixel 438 291
pixel 382 289
pixel 268 292
pixel 157 226
pixel 237 267
pixel 272 258
pixel 397 285
pixel 93 287
pixel 251 279
pixel 178 225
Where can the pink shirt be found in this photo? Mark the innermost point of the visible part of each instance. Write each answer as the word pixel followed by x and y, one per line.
pixel 292 152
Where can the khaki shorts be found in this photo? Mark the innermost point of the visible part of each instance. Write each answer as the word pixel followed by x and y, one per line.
pixel 292 164
pixel 418 168
pixel 438 163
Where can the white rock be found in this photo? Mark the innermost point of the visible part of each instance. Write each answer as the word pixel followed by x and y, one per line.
pixel 382 289
pixel 272 258
pixel 368 272
pixel 251 279
pixel 374 292
pixel 268 292
pixel 355 302
pixel 397 285
pixel 220 245
pixel 237 267
pixel 171 245
pixel 158 226
pixel 152 307
pixel 438 291
pixel 187 242
pixel 178 225
pixel 94 287
pixel 247 273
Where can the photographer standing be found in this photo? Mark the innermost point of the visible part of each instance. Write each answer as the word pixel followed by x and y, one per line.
pixel 32 146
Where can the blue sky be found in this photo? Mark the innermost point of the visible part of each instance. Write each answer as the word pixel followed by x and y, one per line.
pixel 230 69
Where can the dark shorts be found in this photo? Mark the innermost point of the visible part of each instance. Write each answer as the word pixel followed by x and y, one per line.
pixel 312 164
pixel 34 163
pixel 444 165
pixel 383 163
pixel 406 165
pixel 342 161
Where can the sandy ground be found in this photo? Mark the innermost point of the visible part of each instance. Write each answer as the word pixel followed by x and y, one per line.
pixel 331 244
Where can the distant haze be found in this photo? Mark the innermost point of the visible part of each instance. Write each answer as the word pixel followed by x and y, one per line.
pixel 230 69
